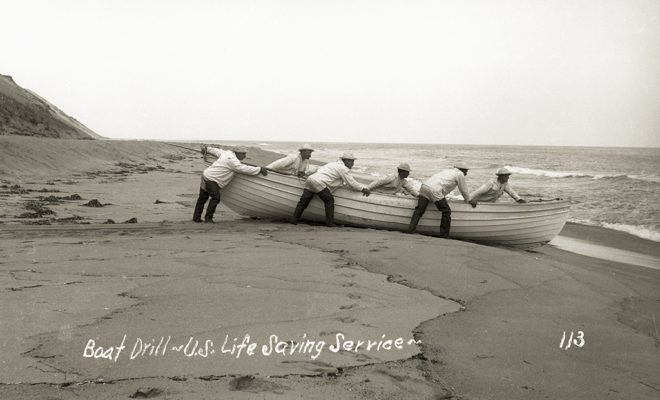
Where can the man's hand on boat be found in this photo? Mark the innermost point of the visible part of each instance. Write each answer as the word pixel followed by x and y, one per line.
pixel 366 192
pixel 301 174
pixel 263 171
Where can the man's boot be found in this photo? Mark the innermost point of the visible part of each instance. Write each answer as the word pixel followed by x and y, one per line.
pixel 306 197
pixel 297 213
pixel 445 225
pixel 330 215
pixel 420 209
pixel 413 222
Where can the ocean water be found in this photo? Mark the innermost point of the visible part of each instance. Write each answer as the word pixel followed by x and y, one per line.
pixel 616 188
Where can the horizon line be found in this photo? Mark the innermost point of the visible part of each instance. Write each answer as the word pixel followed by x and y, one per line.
pixel 388 143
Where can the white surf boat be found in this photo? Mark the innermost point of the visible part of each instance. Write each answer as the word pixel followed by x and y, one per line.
pixel 521 225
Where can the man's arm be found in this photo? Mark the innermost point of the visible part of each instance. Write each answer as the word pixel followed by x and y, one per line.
pixel 479 192
pixel 282 165
pixel 513 194
pixel 237 166
pixel 409 188
pixel 462 187
pixel 215 151
pixel 355 185
pixel 302 168
pixel 380 182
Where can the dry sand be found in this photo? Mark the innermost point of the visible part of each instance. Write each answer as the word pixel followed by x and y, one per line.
pixel 490 320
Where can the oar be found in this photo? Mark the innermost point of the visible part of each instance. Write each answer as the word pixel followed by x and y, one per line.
pixel 209 162
pixel 542 200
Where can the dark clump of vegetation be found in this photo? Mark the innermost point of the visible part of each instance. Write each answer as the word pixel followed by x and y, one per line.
pixel 16 189
pixel 39 207
pixel 93 203
pixel 75 218
pixel 38 210
pixel 57 199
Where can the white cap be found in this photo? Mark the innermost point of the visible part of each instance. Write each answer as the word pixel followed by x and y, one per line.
pixel 348 156
pixel 461 165
pixel 305 147
pixel 403 166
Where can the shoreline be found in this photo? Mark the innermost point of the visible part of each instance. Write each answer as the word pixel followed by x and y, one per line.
pixel 609 237
pixel 607 244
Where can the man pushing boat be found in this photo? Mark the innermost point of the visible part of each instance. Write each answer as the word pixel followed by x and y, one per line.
pixel 395 183
pixel 435 189
pixel 218 175
pixel 492 190
pixel 293 164
pixel 323 182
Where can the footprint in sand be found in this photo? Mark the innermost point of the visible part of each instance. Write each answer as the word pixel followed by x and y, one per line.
pixel 346 320
pixel 253 384
pixel 349 284
pixel 349 307
pixel 353 296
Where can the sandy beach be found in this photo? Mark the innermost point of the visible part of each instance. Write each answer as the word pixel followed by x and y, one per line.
pixel 109 290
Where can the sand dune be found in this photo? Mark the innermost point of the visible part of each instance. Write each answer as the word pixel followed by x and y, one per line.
pixel 23 112
pixel 30 157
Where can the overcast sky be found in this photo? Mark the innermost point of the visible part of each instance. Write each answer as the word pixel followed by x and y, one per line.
pixel 477 72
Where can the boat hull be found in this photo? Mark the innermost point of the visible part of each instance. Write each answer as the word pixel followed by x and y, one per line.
pixel 522 225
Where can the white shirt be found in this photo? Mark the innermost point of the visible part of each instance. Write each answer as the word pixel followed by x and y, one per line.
pixel 393 184
pixel 223 169
pixel 492 190
pixel 331 176
pixel 291 164
pixel 442 183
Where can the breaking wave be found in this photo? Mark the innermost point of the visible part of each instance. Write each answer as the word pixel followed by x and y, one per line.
pixel 562 174
pixel 641 231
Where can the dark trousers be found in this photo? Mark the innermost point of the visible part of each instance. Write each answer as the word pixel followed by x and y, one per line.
pixel 443 207
pixel 207 189
pixel 328 201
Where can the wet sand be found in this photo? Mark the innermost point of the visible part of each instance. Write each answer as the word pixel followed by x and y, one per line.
pixel 489 321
